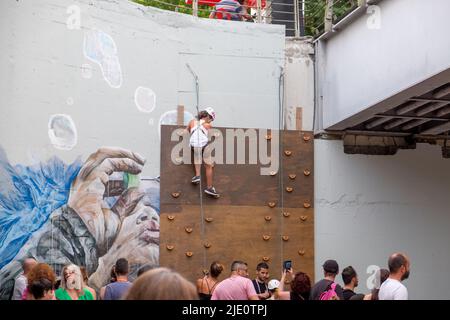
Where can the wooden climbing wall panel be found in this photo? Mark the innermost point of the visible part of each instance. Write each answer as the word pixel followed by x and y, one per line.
pixel 257 217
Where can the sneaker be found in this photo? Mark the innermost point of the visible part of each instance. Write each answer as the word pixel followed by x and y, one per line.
pixel 212 192
pixel 195 180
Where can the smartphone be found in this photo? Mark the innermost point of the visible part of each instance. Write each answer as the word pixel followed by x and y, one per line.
pixel 287 264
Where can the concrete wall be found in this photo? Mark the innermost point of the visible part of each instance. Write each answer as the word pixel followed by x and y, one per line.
pixel 46 71
pixel 79 75
pixel 398 44
pixel 367 207
pixel 299 84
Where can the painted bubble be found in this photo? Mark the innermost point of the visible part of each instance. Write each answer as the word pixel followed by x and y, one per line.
pixel 170 117
pixel 62 132
pixel 100 48
pixel 145 99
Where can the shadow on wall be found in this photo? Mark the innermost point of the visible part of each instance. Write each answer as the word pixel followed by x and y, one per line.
pixel 89 214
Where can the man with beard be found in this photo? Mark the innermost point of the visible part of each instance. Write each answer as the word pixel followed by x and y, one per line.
pixel 260 282
pixel 350 279
pixel 392 288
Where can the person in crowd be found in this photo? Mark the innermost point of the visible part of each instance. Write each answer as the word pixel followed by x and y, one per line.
pixel 300 287
pixel 238 286
pixel 144 268
pixel 72 285
pixel 118 289
pixel 399 269
pixel 85 276
pixel 330 270
pixel 207 284
pixel 382 275
pixel 161 284
pixel 273 287
pixel 20 284
pixel 112 279
pixel 350 279
pixel 235 10
pixel 260 282
pixel 41 283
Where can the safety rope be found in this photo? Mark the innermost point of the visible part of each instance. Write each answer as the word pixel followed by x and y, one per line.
pixel 280 157
pixel 202 215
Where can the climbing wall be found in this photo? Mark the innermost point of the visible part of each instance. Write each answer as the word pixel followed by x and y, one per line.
pixel 257 217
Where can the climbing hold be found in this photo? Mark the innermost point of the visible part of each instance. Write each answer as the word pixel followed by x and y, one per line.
pixel 268 137
pixel 175 194
pixel 301 252
pixel 169 247
pixel 265 259
pixel 266 237
pixel 188 229
pixel 180 132
pixel 306 204
pixel 306 137
pixel 178 160
pixel 208 219
pixel 303 218
pixel 287 281
pixel 170 217
pixel 292 176
pixel 286 214
pixel 272 204
pixel 306 172
pixel 189 253
pixel 207 245
pixel 268 218
pixel 289 189
pixel 285 238
pixel 272 173
pixel 288 152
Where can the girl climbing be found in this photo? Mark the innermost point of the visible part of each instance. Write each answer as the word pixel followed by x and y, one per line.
pixel 198 128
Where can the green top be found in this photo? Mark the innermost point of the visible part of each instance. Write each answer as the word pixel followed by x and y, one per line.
pixel 61 294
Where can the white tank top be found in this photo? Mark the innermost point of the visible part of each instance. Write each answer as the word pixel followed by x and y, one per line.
pixel 199 136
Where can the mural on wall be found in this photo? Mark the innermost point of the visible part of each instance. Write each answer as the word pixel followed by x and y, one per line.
pixel 89 214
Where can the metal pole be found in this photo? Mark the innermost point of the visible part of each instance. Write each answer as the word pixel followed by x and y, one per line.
pixel 258 11
pixel 297 19
pixel 195 8
pixel 329 16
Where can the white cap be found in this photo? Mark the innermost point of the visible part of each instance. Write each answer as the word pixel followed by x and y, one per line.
pixel 211 112
pixel 273 284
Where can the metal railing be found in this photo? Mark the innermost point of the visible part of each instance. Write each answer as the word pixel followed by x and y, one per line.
pixel 300 17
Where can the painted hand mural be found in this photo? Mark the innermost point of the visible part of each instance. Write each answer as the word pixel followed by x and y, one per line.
pixel 100 219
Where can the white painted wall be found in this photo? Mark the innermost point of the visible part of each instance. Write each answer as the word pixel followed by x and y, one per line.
pixel 362 65
pixel 299 83
pixel 41 60
pixel 367 207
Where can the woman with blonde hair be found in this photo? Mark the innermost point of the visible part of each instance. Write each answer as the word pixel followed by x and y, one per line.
pixel 162 284
pixel 72 285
